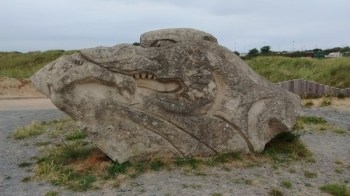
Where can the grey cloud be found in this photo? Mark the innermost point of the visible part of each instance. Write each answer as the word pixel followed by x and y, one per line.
pixel 48 24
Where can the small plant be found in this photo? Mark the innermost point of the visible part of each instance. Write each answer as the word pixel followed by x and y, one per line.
pixel 117 168
pixel 335 189
pixel 216 194
pixel 24 164
pixel 275 192
pixel 157 165
pixel 76 135
pixel 308 104
pixel 192 162
pixel 51 193
pixel 309 174
pixel 34 129
pixel 312 120
pixel 286 184
pixel 325 103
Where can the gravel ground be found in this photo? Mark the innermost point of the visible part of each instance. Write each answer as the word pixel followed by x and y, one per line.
pixel 331 152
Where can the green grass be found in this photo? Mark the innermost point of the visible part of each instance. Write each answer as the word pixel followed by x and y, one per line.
pixel 287 147
pixel 51 193
pixel 333 71
pixel 312 120
pixel 286 184
pixel 34 129
pixel 76 135
pixel 275 192
pixel 72 162
pixel 335 189
pixel 309 174
pixel 23 65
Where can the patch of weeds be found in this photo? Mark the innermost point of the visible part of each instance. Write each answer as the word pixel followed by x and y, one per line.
pixel 227 157
pixel 51 193
pixel 338 162
pixel 308 104
pixel 335 189
pixel 24 164
pixel 7 177
pixel 339 131
pixel 82 183
pixel 34 129
pixel 309 174
pixel 190 161
pixel 26 179
pixel 157 165
pixel 325 103
pixel 117 168
pixel 216 194
pixel 286 184
pixel 312 120
pixel 76 135
pixel 338 170
pixel 286 147
pixel 275 192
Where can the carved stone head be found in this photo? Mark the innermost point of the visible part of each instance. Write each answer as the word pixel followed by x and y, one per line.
pixel 177 94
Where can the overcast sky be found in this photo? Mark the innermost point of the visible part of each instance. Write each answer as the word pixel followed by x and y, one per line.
pixel 28 25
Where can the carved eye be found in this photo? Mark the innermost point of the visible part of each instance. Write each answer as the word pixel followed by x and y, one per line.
pixel 162 43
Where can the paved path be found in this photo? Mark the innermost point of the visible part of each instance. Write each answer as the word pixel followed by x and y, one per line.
pixel 16 113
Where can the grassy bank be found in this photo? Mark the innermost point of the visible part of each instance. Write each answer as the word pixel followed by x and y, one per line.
pixel 334 72
pixel 23 65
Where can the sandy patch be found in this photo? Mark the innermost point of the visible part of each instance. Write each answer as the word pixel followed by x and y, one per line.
pixel 12 87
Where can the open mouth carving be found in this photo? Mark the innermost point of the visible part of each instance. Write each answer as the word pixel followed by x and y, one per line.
pixel 161 85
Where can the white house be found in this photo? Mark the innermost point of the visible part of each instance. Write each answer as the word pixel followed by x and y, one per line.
pixel 334 55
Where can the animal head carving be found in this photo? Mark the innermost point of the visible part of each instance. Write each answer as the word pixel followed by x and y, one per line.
pixel 177 94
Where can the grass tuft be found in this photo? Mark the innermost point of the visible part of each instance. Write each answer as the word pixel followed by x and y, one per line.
pixel 335 189
pixel 286 184
pixel 34 129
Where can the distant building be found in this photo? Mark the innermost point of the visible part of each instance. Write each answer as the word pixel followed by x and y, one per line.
pixel 334 55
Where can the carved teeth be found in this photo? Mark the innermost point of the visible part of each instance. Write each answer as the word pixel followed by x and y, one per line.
pixel 144 76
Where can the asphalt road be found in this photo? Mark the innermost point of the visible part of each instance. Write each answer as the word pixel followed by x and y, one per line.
pixel 17 113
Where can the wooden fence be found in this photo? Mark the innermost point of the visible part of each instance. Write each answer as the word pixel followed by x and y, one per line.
pixel 310 89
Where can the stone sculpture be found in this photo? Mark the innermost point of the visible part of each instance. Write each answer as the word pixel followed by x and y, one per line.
pixel 178 94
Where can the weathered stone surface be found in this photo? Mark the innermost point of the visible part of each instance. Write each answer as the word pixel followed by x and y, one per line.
pixel 178 94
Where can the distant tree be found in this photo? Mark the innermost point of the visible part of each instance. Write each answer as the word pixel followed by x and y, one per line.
pixel 136 44
pixel 265 49
pixel 236 53
pixel 253 52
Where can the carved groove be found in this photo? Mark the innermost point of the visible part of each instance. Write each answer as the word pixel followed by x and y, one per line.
pixel 181 129
pixel 250 146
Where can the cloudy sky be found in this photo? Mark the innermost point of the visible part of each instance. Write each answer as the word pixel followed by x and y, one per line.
pixel 27 25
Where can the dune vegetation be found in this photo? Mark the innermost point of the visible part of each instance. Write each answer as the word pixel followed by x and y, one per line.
pixel 334 71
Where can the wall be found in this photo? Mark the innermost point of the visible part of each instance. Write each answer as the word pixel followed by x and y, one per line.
pixel 310 89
